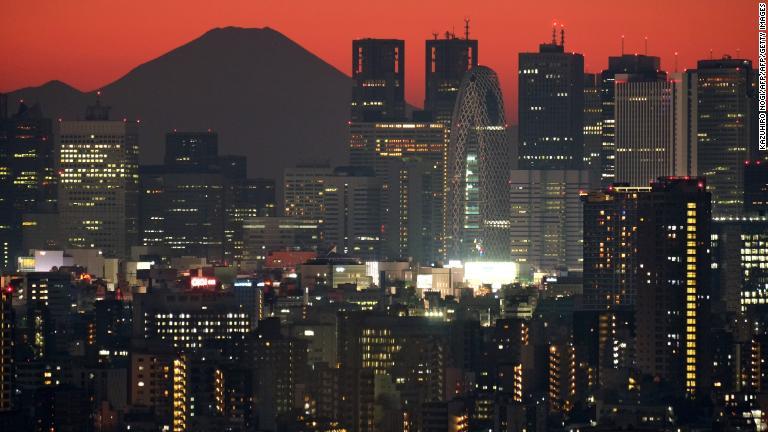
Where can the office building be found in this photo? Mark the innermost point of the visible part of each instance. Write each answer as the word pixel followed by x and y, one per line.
pixel 27 175
pixel 195 149
pixel 477 207
pixel 410 159
pixel 184 210
pixel 98 189
pixel 446 62
pixel 725 129
pixel 347 202
pixel 740 263
pixel 303 190
pixel 551 107
pixel 593 126
pixel 651 128
pixel 643 67
pixel 378 74
pixel 263 235
pixel 546 223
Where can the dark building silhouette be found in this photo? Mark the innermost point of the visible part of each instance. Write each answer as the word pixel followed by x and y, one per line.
pixel 642 67
pixel 673 279
pixel 446 62
pixel 378 71
pixel 191 148
pixel 27 176
pixel 725 129
pixel 196 203
pixel 551 107
pixel 756 188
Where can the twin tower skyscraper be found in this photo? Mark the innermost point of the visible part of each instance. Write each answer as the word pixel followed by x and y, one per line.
pixel 466 100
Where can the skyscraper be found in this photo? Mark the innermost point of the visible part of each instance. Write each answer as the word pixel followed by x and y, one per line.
pixel 378 72
pixel 551 107
pixel 593 126
pixel 644 67
pixel 446 62
pixel 410 159
pixel 756 188
pixel 672 273
pixel 724 129
pixel 610 239
pixel 546 218
pixel 191 148
pixel 346 202
pixel 477 209
pixel 651 128
pixel 27 176
pixel 98 191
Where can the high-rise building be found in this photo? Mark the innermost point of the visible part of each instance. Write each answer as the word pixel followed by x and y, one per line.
pixel 740 262
pixel 646 253
pixel 378 72
pixel 446 62
pixel 303 190
pixel 409 157
pixel 643 66
pixel 248 198
pixel 196 203
pixel 546 218
pixel 724 123
pixel 184 209
pixel 610 241
pixel 551 107
pixel 651 128
pixel 593 125
pixel 673 295
pixel 477 206
pixel 346 202
pixel 98 190
pixel 756 188
pixel 27 176
pixel 191 148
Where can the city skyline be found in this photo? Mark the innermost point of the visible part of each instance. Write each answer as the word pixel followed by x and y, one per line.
pixel 502 32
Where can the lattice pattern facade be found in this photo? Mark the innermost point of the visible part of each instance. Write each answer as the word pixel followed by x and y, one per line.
pixel 477 216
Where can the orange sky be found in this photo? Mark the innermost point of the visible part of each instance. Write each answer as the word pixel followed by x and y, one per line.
pixel 89 43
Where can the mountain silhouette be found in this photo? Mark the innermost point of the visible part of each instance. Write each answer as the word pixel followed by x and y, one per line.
pixel 267 97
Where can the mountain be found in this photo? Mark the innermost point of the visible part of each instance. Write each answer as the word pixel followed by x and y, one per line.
pixel 267 97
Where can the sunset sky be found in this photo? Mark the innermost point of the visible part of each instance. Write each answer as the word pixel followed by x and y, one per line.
pixel 90 43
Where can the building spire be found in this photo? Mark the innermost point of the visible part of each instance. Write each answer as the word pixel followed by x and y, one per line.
pixel 622 44
pixel 646 45
pixel 554 32
pixel 562 35
pixel 466 28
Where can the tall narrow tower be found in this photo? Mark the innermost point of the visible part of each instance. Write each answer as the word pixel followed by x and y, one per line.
pixel 478 171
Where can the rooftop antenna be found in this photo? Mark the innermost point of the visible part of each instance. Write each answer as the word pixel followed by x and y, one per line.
pixel 646 45
pixel 710 53
pixel 675 61
pixel 622 44
pixel 554 32
pixel 466 28
pixel 562 35
pixel 434 34
pixel 738 52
